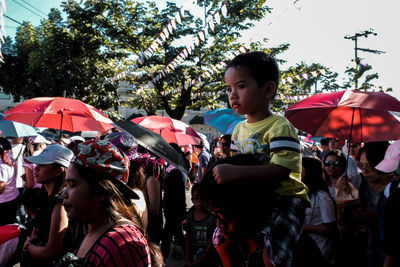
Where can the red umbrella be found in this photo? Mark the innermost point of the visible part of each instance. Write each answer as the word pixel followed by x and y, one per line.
pixel 349 114
pixel 173 131
pixel 59 113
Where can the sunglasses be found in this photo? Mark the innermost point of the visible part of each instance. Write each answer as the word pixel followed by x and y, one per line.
pixel 224 144
pixel 354 146
pixel 330 163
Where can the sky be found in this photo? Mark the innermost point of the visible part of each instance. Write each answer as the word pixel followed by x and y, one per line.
pixel 315 29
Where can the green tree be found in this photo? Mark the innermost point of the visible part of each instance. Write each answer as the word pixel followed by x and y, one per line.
pixel 52 60
pixel 360 75
pixel 99 39
pixel 304 80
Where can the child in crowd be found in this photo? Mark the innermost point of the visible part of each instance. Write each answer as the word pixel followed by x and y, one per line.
pixel 199 225
pixel 251 83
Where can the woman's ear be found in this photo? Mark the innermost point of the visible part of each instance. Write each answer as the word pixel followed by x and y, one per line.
pixel 60 169
pixel 270 88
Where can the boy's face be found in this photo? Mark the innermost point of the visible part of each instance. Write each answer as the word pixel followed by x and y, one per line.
pixel 245 96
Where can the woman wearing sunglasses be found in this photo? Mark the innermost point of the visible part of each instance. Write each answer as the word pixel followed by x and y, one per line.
pixel 334 167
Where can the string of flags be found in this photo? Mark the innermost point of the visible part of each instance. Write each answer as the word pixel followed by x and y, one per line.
pixel 166 33
pixel 199 38
pixel 2 27
pixel 304 76
pixel 162 36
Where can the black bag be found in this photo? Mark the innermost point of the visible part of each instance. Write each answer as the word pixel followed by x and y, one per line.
pixel 307 253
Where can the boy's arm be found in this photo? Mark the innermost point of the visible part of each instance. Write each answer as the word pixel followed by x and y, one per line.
pixel 226 172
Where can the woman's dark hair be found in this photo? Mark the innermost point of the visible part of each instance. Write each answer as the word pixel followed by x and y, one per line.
pixel 136 176
pixel 245 201
pixel 30 148
pixel 375 152
pixel 227 138
pixel 314 175
pixel 4 146
pixel 60 180
pixel 183 155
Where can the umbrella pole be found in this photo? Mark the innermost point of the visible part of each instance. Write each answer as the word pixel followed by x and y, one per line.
pixel 349 141
pixel 61 125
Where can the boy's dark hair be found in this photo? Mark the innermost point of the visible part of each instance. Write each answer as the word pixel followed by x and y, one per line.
pixel 30 199
pixel 261 66
pixel 324 141
pixel 195 187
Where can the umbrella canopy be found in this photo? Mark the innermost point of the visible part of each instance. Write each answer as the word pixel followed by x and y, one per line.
pixel 16 129
pixel 173 131
pixel 224 120
pixel 349 114
pixel 59 113
pixel 153 142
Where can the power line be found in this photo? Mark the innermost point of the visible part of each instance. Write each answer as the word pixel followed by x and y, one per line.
pixel 12 19
pixel 34 7
pixel 29 9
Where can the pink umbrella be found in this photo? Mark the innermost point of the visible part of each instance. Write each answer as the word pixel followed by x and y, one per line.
pixel 59 113
pixel 353 115
pixel 173 131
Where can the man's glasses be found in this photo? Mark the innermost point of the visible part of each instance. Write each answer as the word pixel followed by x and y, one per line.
pixel 365 166
pixel 354 146
pixel 331 163
pixel 224 144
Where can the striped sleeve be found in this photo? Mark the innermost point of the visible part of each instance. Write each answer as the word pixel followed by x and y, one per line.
pixel 284 143
pixel 285 148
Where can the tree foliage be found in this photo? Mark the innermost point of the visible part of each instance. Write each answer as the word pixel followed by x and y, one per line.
pixel 82 54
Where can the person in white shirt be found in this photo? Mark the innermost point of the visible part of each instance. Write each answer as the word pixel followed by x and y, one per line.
pixel 9 194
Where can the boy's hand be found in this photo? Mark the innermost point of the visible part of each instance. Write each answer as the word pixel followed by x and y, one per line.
pixel 224 173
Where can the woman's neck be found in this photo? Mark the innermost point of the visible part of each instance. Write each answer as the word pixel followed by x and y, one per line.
pixel 49 188
pixel 98 226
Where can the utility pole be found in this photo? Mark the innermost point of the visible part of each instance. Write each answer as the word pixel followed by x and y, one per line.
pixel 356 48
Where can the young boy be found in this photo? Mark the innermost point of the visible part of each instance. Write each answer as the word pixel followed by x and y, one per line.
pixel 199 226
pixel 251 83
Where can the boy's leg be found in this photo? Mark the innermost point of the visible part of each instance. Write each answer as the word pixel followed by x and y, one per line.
pixel 283 229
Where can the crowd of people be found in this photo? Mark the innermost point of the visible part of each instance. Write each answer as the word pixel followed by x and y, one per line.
pixel 258 200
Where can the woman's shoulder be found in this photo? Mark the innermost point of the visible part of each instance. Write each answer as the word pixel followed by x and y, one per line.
pixel 126 232
pixel 323 195
pixel 122 245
